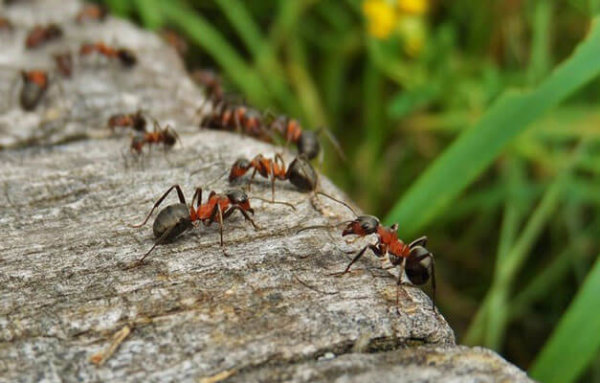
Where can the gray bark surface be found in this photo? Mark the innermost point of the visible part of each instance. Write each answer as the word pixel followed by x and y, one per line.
pixel 268 310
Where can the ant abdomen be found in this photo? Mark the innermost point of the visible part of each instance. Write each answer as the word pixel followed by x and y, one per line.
pixel 419 265
pixel 302 175
pixel 173 218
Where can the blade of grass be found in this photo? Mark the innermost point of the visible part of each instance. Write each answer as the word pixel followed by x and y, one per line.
pixel 540 46
pixel 149 11
pixel 119 7
pixel 507 269
pixel 241 20
pixel 209 38
pixel 575 341
pixel 475 149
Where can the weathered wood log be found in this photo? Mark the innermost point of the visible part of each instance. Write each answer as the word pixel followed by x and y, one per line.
pixel 72 308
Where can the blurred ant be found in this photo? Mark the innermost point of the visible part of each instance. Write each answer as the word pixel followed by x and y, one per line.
pixel 413 259
pixel 225 116
pixel 211 82
pixel 91 12
pixel 64 63
pixel 136 121
pixel 40 35
pixel 306 141
pixel 175 40
pixel 125 56
pixel 166 136
pixel 35 85
pixel 175 219
pixel 5 25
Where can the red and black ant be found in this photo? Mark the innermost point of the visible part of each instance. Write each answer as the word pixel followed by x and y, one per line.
pixel 136 121
pixel 225 116
pixel 300 173
pixel 175 219
pixel 40 35
pixel 91 12
pixel 167 136
pixel 126 57
pixel 413 259
pixel 306 141
pixel 64 63
pixel 35 85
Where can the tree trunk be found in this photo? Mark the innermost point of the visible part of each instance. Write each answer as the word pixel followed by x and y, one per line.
pixel 265 309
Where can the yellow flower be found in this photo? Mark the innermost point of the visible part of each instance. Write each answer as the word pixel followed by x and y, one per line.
pixel 413 30
pixel 413 7
pixel 381 18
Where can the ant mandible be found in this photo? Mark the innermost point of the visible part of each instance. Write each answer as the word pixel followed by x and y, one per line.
pixel 167 136
pixel 35 85
pixel 136 121
pixel 40 35
pixel 175 219
pixel 413 259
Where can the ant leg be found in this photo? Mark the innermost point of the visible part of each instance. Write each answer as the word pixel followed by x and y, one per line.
pixel 373 248
pixel 433 283
pixel 197 194
pixel 251 179
pixel 230 210
pixel 398 283
pixel 158 242
pixel 179 194
pixel 421 241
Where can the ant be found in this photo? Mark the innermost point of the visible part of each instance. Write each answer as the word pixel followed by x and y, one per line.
pixel 306 141
pixel 35 85
pixel 64 63
pixel 175 219
pixel 40 35
pixel 175 40
pixel 211 81
pixel 5 24
pixel 230 117
pixel 126 57
pixel 91 12
pixel 167 136
pixel 300 173
pixel 136 121
pixel 413 259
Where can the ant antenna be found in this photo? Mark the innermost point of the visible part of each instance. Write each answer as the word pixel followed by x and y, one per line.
pixel 274 202
pixel 338 201
pixel 323 226
pixel 334 142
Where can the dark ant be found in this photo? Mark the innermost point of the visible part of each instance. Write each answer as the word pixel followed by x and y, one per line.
pixel 64 63
pixel 175 219
pixel 35 85
pixel 167 136
pixel 40 35
pixel 306 141
pixel 414 259
pixel 91 12
pixel 126 57
pixel 136 121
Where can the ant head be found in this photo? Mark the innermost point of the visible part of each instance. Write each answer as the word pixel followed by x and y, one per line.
pixel 127 57
pixel 240 198
pixel 302 175
pixel 309 145
pixel 362 225
pixel 419 265
pixel 239 168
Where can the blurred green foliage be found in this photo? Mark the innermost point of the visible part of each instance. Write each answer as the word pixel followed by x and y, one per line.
pixel 505 184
